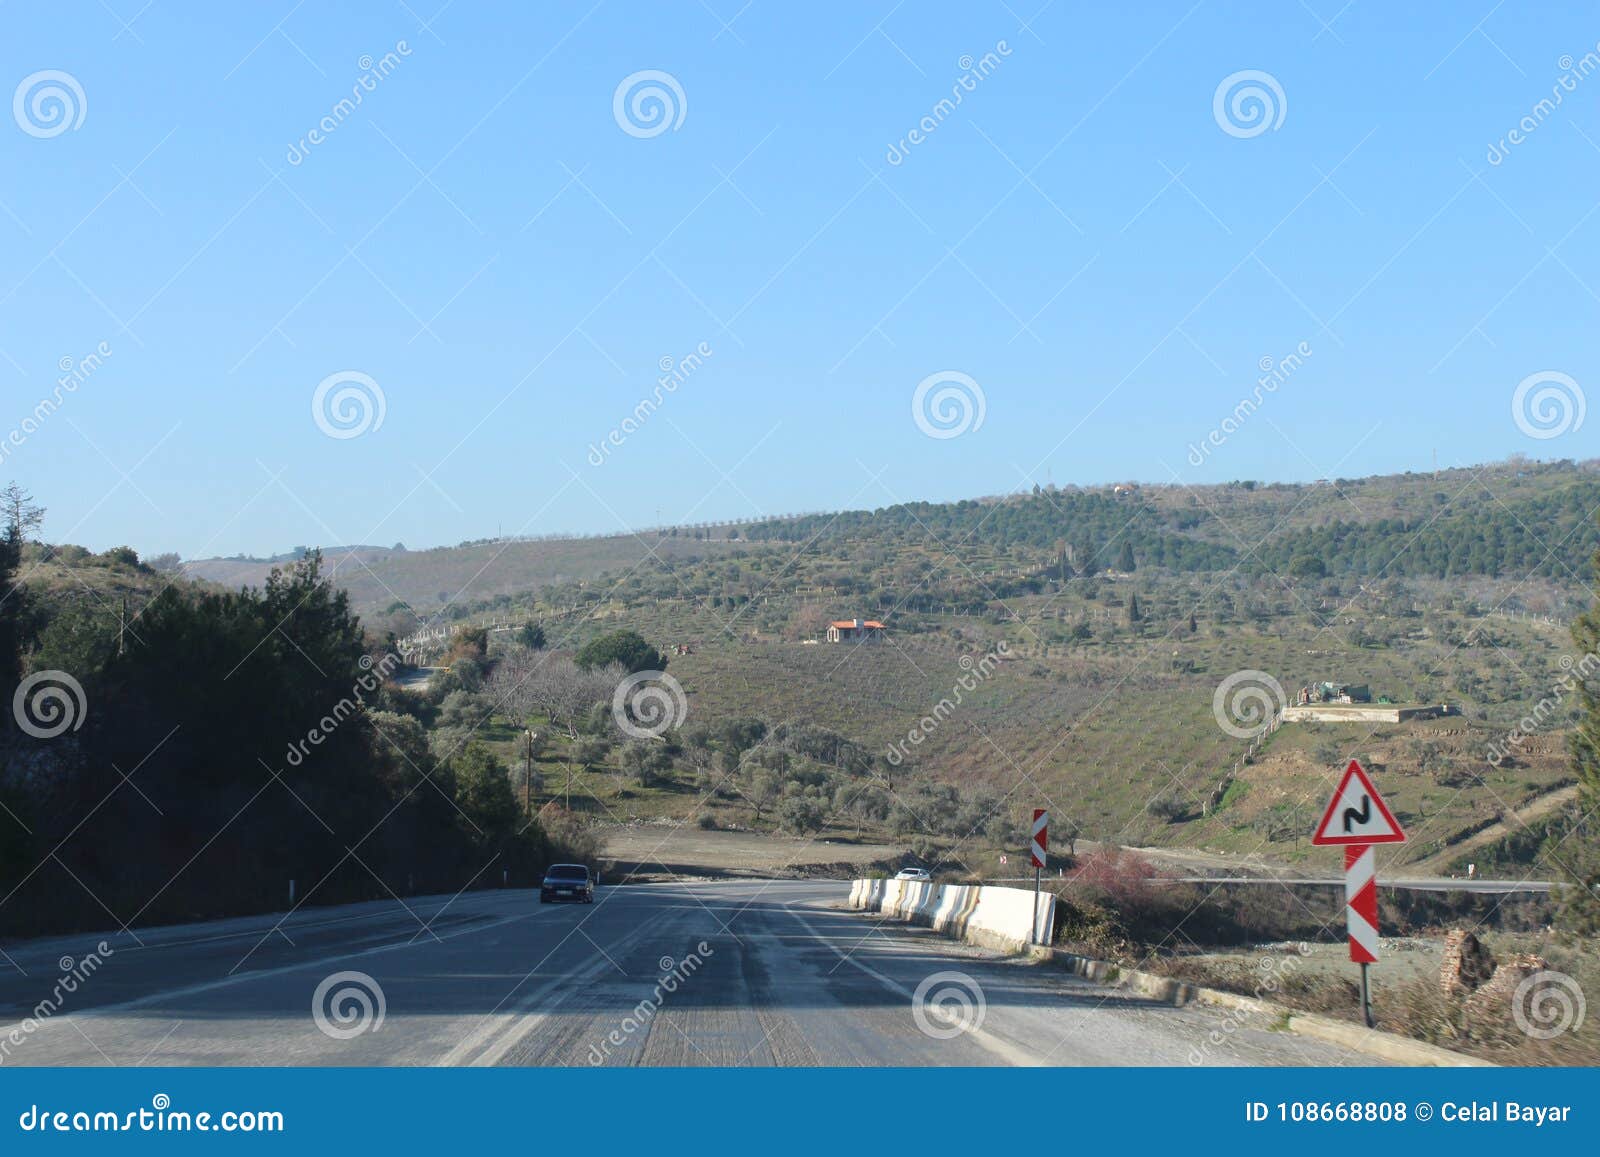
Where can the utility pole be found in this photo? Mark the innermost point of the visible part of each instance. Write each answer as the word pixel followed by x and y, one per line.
pixel 527 781
pixel 122 625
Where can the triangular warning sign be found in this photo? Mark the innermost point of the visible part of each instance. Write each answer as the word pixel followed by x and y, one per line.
pixel 1357 814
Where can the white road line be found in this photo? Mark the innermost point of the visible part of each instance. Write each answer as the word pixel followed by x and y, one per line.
pixel 1004 1049
pixel 500 1032
pixel 49 947
pixel 245 977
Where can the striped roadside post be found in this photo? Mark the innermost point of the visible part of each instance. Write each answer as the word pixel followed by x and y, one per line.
pixel 1039 848
pixel 1361 915
pixel 1356 819
pixel 1361 902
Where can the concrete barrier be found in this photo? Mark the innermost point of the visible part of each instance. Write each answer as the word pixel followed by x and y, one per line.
pixel 997 917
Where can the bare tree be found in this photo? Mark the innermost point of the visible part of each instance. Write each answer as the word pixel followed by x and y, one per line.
pixel 528 682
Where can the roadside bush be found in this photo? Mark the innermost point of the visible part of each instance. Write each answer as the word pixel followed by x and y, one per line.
pixel 626 647
pixel 1407 912
pixel 802 816
pixel 1169 808
pixel 646 761
pixel 1091 928
pixel 462 709
pixel 1172 917
pixel 469 671
pixel 1119 876
pixel 572 840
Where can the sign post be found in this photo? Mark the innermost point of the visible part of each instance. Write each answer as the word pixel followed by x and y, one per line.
pixel 1039 847
pixel 1356 819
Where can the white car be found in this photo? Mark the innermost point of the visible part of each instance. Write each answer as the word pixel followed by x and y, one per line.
pixel 921 875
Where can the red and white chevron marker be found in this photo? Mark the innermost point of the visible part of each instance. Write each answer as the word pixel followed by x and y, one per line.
pixel 1361 902
pixel 1039 849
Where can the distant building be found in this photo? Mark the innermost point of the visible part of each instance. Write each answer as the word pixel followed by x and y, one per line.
pixel 1334 693
pixel 855 630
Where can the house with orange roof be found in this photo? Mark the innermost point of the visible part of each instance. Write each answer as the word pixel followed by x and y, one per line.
pixel 855 630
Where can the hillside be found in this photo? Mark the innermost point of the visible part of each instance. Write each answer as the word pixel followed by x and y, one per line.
pixel 384 580
pixel 1517 518
pixel 1098 690
pixel 1514 518
pixel 1118 732
pixel 1100 624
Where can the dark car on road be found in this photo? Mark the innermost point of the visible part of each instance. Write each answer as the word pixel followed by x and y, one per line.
pixel 567 882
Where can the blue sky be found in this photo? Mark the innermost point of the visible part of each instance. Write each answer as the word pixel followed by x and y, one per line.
pixel 508 265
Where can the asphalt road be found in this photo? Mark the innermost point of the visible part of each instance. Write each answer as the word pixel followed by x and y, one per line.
pixel 736 973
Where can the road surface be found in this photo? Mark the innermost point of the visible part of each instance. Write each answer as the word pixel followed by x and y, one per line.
pixel 728 973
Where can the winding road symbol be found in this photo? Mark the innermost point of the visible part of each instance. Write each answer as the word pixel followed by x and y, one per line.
pixel 1357 814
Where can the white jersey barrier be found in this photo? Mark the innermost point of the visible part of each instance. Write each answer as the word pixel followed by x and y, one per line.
pixel 1001 917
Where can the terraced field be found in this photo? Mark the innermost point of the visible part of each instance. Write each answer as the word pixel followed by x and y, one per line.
pixel 1106 733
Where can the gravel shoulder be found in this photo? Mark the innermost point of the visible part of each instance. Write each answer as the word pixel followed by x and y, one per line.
pixel 667 851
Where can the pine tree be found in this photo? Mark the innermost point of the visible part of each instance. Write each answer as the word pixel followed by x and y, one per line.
pixel 20 517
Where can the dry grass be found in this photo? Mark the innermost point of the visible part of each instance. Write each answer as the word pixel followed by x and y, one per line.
pixel 1418 1009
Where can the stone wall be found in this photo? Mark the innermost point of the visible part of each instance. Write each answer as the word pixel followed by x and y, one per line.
pixel 1466 964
